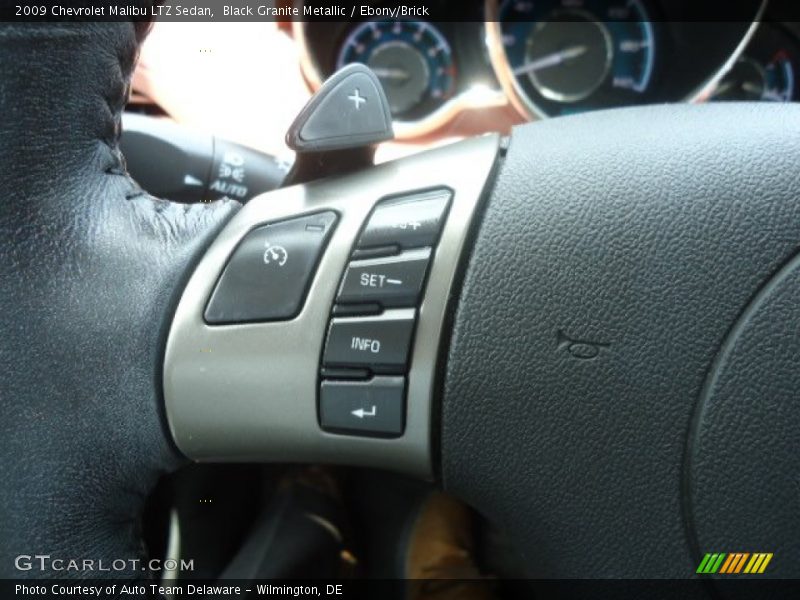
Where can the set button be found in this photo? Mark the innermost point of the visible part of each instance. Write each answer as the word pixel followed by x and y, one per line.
pixel 391 282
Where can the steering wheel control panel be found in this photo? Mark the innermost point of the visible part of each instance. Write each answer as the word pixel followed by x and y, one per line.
pixel 311 329
pixel 366 355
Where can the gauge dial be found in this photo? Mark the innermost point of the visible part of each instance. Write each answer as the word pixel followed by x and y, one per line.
pixel 766 71
pixel 566 60
pixel 411 58
pixel 572 55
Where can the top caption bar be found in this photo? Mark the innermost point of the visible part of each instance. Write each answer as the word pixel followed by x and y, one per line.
pixel 319 10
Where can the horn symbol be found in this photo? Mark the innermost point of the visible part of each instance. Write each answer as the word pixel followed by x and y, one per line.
pixel 580 349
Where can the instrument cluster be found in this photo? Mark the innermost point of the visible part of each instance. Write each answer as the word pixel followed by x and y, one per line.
pixel 549 58
pixel 429 71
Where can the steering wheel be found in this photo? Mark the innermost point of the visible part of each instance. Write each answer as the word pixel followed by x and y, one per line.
pixel 593 341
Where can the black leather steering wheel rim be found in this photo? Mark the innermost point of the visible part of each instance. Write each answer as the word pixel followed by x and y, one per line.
pixel 92 267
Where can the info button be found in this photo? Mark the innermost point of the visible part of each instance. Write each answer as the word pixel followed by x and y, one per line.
pixel 380 343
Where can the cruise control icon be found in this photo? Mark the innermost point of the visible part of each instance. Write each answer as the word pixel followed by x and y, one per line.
pixel 275 255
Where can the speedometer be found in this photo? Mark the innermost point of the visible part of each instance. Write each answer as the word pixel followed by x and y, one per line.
pixel 566 56
pixel 411 58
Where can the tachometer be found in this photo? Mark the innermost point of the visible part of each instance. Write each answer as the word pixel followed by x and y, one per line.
pixel 572 55
pixel 411 58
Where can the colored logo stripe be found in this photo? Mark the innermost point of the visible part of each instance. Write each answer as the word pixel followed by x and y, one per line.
pixel 710 563
pixel 733 563
pixel 758 563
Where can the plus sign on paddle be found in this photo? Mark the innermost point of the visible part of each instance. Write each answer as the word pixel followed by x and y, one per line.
pixel 357 99
pixel 350 110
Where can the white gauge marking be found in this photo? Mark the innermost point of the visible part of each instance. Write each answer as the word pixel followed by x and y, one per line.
pixel 633 46
pixel 389 73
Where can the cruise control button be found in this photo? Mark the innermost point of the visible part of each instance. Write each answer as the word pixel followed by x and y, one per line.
pixel 392 281
pixel 409 221
pixel 268 275
pixel 366 407
pixel 379 342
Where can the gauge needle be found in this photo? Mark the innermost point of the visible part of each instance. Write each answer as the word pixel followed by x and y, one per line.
pixel 389 73
pixel 727 86
pixel 723 88
pixel 752 88
pixel 551 60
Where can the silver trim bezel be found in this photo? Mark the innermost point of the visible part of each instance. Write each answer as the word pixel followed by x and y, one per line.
pixel 248 392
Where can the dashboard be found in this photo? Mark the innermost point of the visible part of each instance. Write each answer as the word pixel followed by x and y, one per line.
pixel 501 64
pixel 546 58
